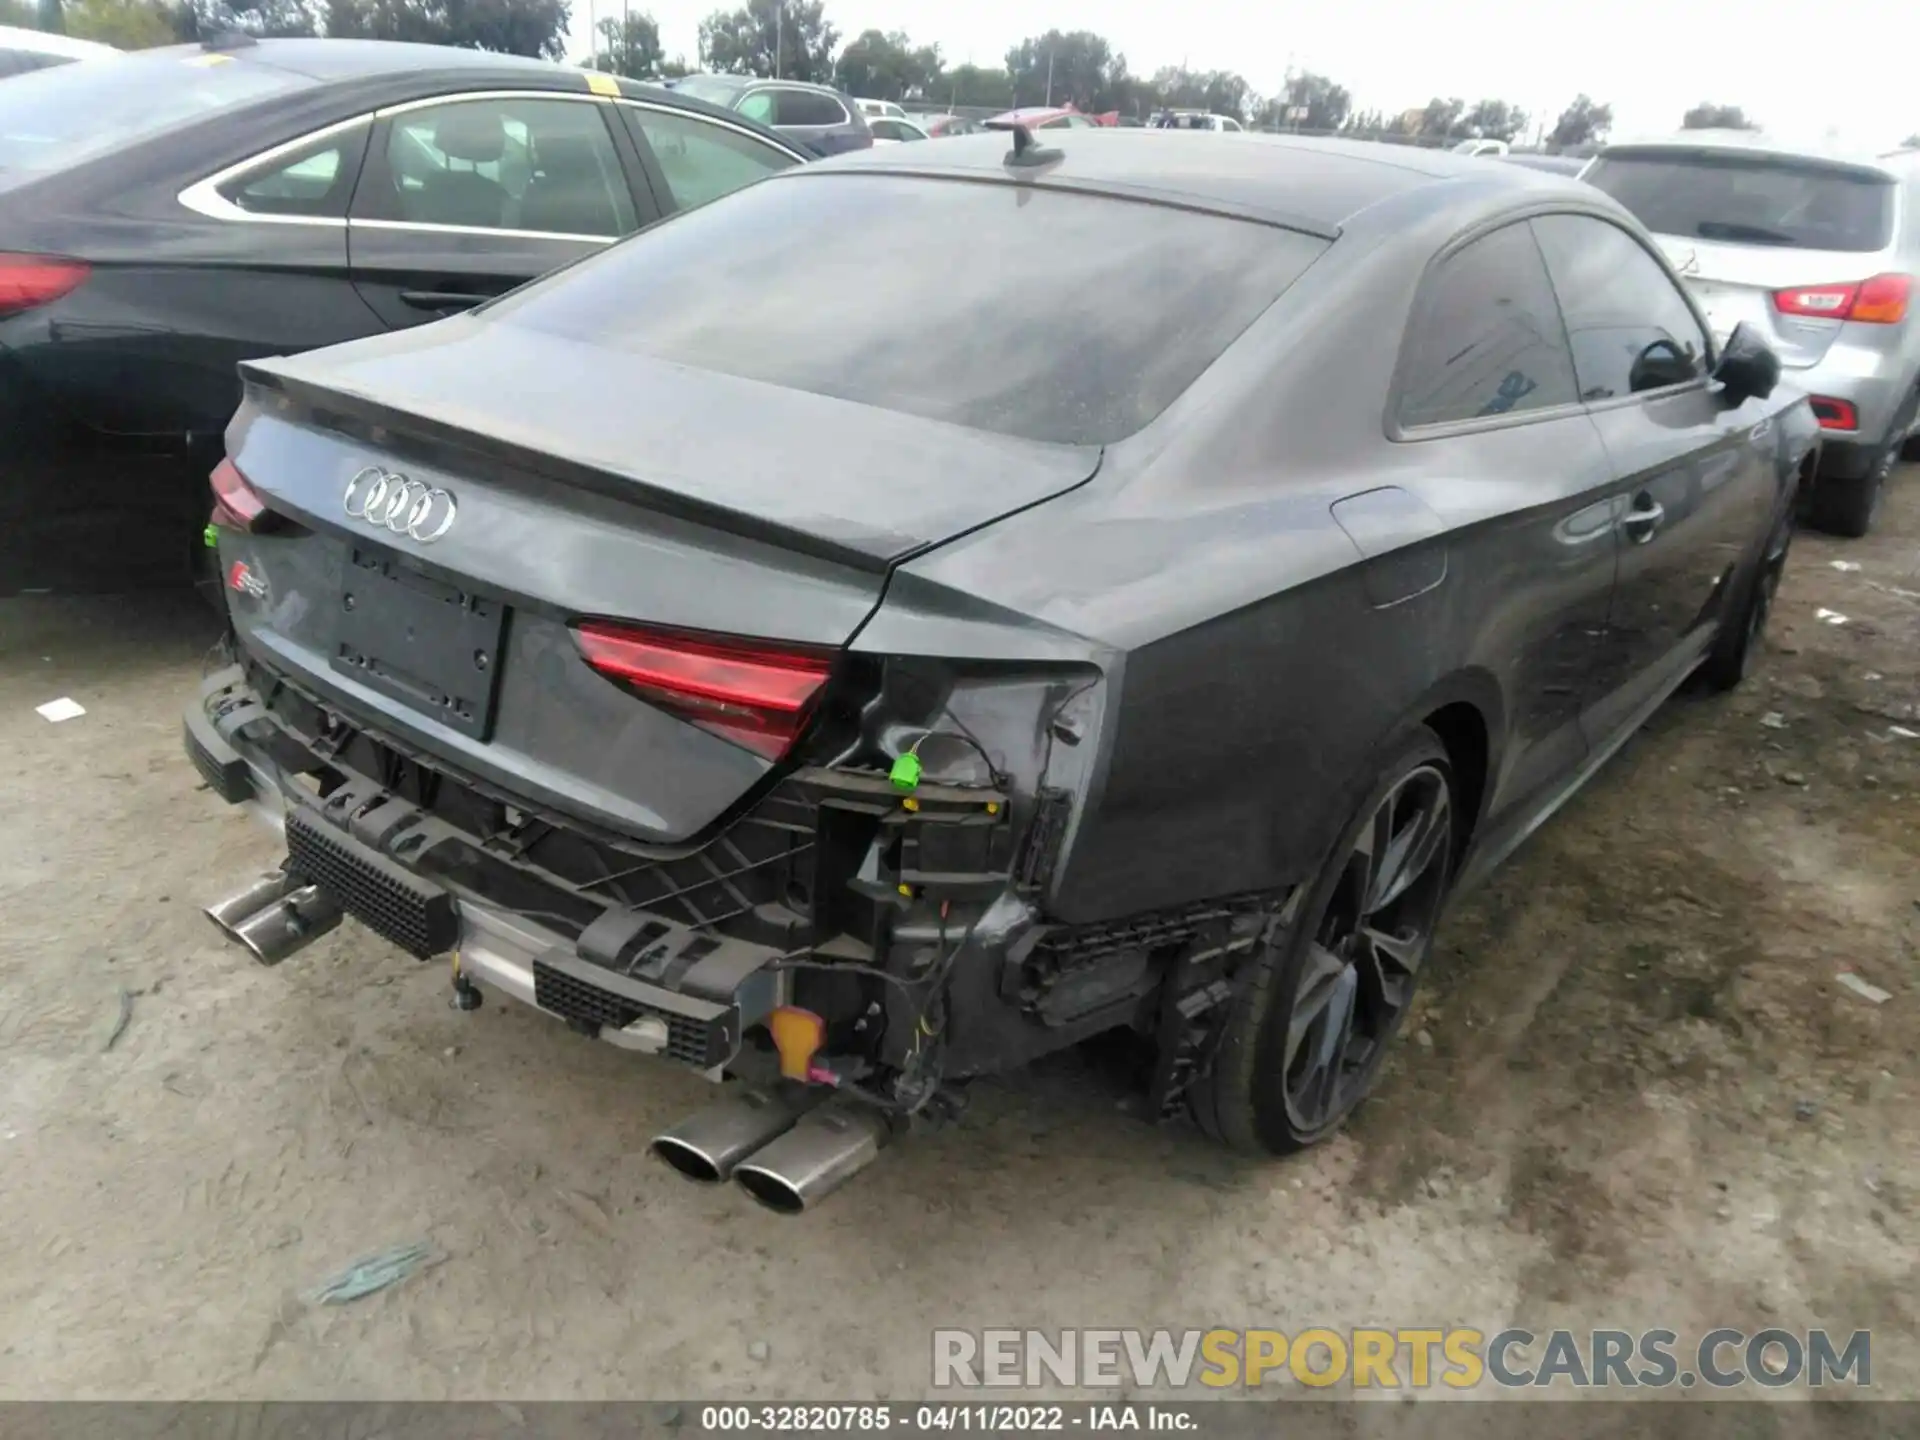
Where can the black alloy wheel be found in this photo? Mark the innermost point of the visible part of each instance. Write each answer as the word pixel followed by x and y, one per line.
pixel 1366 950
pixel 1333 980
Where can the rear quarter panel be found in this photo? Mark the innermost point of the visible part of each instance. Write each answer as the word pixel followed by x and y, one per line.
pixel 1252 671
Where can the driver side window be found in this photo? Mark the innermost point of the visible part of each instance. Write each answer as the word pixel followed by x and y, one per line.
pixel 1631 330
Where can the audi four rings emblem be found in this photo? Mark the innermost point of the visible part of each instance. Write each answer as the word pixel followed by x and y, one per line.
pixel 406 507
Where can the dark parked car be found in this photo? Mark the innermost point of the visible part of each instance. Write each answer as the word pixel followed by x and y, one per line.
pixel 745 679
pixel 826 121
pixel 168 214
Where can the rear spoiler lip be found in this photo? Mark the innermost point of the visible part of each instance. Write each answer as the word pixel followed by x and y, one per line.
pixel 344 403
pixel 1859 167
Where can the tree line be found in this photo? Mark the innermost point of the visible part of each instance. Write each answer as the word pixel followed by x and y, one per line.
pixel 796 39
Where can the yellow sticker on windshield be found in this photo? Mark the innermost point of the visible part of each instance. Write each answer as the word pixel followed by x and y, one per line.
pixel 602 84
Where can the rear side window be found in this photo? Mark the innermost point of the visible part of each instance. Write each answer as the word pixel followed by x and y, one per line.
pixel 1750 199
pixel 807 107
pixel 1486 337
pixel 316 181
pixel 1112 309
pixel 1631 330
pixel 701 160
pixel 60 116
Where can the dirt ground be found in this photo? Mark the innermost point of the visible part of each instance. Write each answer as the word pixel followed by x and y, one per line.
pixel 1636 1095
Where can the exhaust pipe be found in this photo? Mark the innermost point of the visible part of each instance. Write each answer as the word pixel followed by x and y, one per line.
pixel 816 1157
pixel 708 1145
pixel 257 896
pixel 276 916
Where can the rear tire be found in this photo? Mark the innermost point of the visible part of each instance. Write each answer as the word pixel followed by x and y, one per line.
pixel 1848 507
pixel 1743 638
pixel 1335 972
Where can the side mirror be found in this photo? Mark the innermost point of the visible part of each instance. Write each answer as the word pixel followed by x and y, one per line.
pixel 1748 368
pixel 1661 364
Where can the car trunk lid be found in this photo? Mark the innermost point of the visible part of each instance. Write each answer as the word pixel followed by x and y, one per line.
pixel 1737 283
pixel 567 485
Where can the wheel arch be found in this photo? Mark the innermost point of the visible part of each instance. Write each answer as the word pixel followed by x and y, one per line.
pixel 1466 710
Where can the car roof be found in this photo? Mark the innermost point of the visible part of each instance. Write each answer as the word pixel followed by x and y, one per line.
pixel 348 59
pixel 1299 181
pixel 336 61
pixel 40 42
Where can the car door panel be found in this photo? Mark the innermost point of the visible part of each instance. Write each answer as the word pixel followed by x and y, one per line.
pixel 1697 488
pixel 435 231
pixel 1694 484
pixel 1486 390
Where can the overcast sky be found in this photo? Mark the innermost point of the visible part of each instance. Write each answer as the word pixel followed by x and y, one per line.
pixel 1802 68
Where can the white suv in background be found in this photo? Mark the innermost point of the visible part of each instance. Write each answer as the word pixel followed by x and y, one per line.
pixel 1819 253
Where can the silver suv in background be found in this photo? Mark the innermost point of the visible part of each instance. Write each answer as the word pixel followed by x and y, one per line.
pixel 1819 253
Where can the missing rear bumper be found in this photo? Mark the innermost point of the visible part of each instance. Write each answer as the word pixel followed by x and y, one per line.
pixel 637 979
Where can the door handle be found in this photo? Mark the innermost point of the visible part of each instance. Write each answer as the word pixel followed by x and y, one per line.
pixel 441 299
pixel 1643 520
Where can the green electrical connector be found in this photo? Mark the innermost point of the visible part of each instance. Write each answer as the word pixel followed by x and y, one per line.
pixel 905 774
pixel 211 535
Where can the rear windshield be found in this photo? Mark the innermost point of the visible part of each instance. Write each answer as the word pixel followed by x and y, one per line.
pixel 1023 311
pixel 56 117
pixel 1751 200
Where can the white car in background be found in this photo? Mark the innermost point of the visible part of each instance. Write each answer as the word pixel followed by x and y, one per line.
pixel 1194 120
pixel 1496 148
pixel 892 130
pixel 881 109
pixel 25 50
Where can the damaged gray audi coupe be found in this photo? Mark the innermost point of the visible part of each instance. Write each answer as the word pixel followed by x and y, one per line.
pixel 1131 590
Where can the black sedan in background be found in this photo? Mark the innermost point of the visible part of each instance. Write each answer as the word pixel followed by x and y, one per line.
pixel 835 672
pixel 166 215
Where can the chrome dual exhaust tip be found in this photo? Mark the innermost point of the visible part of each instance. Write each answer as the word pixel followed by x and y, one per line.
pixel 276 916
pixel 708 1145
pixel 816 1157
pixel 788 1147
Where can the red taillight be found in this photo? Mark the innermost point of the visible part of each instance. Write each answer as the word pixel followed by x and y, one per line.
pixel 236 504
pixel 1834 414
pixel 1879 301
pixel 757 695
pixel 1883 300
pixel 29 281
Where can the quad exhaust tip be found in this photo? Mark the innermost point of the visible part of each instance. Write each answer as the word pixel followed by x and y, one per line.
pixel 277 916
